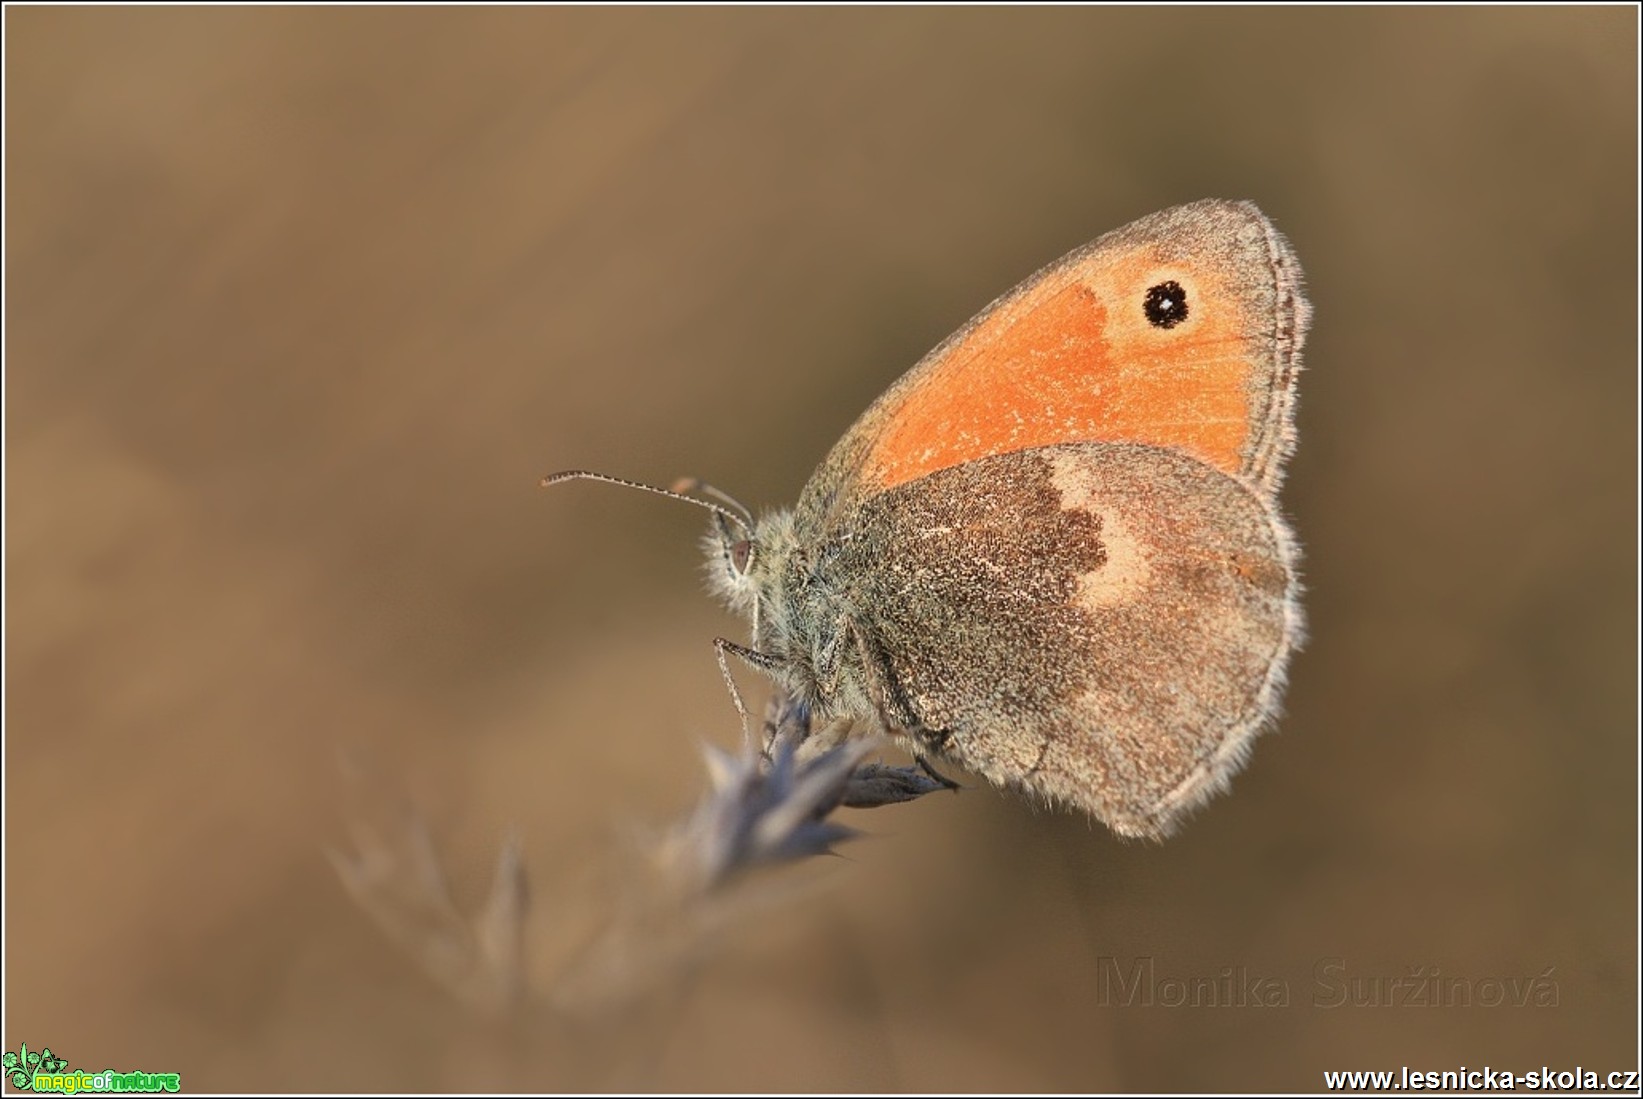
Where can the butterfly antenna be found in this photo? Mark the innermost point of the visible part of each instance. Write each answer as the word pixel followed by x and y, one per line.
pixel 692 484
pixel 745 523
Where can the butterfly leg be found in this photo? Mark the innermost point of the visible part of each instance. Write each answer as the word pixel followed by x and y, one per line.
pixel 923 762
pixel 880 686
pixel 753 658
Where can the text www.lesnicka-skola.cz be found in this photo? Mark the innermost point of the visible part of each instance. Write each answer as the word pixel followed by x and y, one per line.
pixel 1482 1079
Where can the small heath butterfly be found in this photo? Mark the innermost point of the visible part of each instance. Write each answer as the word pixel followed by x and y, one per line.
pixel 1052 552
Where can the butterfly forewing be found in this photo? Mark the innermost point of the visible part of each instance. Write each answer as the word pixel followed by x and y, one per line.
pixel 1181 330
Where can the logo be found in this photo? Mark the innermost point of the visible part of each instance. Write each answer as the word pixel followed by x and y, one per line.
pixel 22 1067
pixel 44 1071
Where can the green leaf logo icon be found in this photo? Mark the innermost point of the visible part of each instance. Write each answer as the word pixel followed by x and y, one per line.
pixel 20 1068
pixel 17 1067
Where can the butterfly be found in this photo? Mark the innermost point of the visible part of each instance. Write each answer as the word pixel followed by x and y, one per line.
pixel 1052 552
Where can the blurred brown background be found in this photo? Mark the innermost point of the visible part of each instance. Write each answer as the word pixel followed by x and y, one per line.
pixel 301 302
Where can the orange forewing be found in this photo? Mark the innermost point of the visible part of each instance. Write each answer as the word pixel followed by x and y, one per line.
pixel 1070 356
pixel 1058 366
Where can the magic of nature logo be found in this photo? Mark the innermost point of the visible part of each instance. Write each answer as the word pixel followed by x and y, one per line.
pixel 41 1070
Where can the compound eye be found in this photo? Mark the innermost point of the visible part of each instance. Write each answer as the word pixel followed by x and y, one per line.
pixel 740 554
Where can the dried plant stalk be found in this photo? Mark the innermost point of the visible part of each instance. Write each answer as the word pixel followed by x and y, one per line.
pixel 769 805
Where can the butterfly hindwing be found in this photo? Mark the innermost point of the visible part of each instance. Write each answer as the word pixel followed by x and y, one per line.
pixel 1104 624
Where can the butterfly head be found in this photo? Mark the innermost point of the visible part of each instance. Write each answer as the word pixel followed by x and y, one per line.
pixel 745 564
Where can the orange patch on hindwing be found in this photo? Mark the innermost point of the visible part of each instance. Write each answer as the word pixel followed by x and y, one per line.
pixel 1073 357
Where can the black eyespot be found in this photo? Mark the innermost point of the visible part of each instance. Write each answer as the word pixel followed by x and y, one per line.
pixel 740 554
pixel 1166 305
